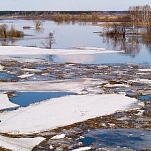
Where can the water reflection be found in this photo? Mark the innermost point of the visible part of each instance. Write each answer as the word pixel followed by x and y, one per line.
pixel 68 35
pixel 131 45
pixel 6 42
pixel 76 58
pixel 146 40
pixel 105 58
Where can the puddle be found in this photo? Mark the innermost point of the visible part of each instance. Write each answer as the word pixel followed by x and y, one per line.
pixel 6 76
pixel 144 98
pixel 24 99
pixel 118 138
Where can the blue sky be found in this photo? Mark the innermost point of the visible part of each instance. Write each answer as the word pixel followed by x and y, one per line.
pixel 51 5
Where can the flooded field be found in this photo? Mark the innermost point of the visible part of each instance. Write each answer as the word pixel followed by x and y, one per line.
pixel 33 79
pixel 69 35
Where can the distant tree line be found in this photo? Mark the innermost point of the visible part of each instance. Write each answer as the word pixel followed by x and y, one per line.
pixel 67 16
pixel 140 15
pixel 60 12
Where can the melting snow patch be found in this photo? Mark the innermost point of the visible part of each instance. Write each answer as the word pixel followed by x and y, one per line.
pixel 82 149
pixel 25 75
pixel 1 68
pixel 30 69
pixel 51 147
pixel 145 70
pixel 61 136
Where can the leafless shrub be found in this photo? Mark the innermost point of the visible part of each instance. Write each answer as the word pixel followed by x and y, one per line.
pixel 49 41
pixel 38 26
pixel 12 33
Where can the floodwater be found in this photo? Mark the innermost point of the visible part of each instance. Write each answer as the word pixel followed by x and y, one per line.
pixel 118 139
pixel 80 35
pixel 25 99
pixel 6 76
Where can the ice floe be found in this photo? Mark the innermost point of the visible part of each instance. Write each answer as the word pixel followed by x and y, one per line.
pixel 31 69
pixel 58 112
pixel 57 85
pixel 1 68
pixel 20 144
pixel 5 103
pixel 61 136
pixel 115 85
pixel 25 75
pixel 82 149
pixel 147 81
pixel 145 70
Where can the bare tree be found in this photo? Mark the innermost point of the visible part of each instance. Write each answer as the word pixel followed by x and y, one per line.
pixel 49 41
pixel 38 26
pixel 140 15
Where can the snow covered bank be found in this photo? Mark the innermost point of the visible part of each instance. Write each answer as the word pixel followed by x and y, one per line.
pixel 5 103
pixel 19 50
pixel 62 111
pixel 22 144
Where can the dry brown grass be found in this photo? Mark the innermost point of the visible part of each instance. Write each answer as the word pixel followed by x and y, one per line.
pixel 5 32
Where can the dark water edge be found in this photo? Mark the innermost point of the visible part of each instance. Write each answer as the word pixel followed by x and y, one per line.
pixel 25 99
pixel 118 138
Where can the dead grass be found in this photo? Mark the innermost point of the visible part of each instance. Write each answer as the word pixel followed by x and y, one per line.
pixel 5 32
